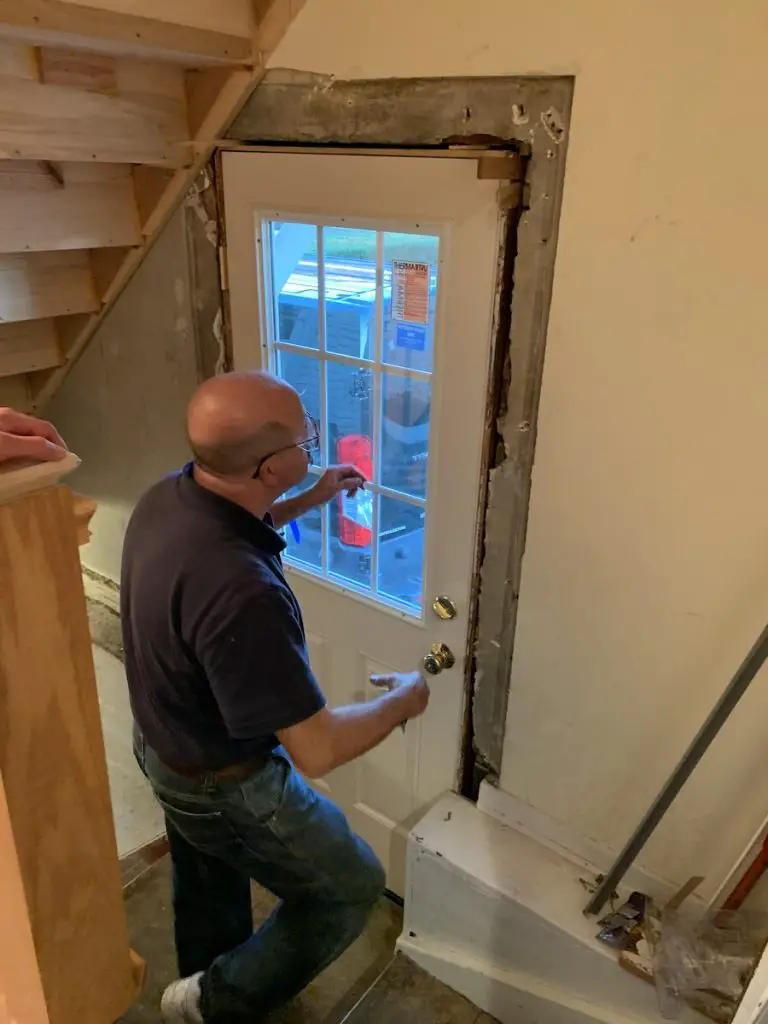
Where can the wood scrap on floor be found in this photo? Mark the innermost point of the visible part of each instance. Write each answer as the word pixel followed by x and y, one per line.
pixel 702 960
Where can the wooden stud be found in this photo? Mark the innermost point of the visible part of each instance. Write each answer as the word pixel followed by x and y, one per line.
pixel 19 61
pixel 95 209
pixel 53 22
pixel 500 167
pixel 28 346
pixel 44 284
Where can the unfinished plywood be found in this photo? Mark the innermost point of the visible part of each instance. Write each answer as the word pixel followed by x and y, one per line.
pixel 28 346
pixel 212 100
pixel 38 285
pixel 14 392
pixel 19 61
pixel 189 31
pixel 158 89
pixel 53 766
pixel 157 209
pixel 49 122
pixel 94 207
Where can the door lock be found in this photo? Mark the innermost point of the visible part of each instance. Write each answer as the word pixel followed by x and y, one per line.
pixel 440 657
pixel 444 608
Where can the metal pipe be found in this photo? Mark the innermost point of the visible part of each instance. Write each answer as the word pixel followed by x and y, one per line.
pixel 706 734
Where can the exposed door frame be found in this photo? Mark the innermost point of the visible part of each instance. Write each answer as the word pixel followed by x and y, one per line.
pixel 460 118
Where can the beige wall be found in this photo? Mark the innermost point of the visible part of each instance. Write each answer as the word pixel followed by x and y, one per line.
pixel 646 574
pixel 121 409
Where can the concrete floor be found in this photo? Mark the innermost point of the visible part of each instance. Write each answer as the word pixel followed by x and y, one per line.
pixel 405 993
pixel 138 818
pixel 327 1001
pixel 365 986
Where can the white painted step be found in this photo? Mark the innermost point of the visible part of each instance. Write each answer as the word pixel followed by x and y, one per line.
pixel 498 917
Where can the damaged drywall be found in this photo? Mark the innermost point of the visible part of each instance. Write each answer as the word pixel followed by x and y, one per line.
pixel 202 227
pixel 522 321
pixel 531 116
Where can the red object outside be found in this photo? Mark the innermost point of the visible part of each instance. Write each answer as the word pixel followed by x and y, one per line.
pixel 355 450
pixel 749 879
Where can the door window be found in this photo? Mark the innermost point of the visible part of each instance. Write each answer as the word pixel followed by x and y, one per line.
pixel 351 317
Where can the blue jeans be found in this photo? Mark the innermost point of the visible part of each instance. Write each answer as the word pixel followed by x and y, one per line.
pixel 275 829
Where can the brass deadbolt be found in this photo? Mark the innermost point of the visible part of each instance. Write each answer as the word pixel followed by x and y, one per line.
pixel 444 608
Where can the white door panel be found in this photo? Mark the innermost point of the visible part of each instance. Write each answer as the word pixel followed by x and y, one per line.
pixel 368 282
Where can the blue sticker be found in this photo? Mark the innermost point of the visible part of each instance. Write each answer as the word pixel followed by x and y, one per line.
pixel 412 336
pixel 295 531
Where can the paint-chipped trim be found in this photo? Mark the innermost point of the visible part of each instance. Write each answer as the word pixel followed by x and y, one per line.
pixel 510 471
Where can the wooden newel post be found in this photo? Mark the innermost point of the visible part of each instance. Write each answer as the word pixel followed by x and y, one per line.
pixel 64 950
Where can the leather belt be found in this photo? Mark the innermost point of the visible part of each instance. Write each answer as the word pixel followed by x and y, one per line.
pixel 231 773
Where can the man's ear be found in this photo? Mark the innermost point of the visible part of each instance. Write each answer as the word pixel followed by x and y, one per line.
pixel 268 476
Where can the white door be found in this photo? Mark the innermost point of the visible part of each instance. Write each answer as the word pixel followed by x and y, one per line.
pixel 368 283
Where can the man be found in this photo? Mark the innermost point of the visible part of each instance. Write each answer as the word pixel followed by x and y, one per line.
pixel 26 437
pixel 226 705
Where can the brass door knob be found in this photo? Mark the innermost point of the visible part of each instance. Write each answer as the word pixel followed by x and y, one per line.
pixel 440 657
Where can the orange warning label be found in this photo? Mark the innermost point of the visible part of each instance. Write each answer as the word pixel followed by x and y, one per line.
pixel 410 292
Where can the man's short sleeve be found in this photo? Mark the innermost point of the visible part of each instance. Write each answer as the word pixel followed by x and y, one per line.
pixel 252 649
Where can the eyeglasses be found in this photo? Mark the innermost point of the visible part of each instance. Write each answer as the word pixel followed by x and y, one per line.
pixel 310 445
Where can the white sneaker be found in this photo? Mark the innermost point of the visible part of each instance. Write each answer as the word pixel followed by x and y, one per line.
pixel 181 1001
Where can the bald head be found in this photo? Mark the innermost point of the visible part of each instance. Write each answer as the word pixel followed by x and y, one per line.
pixel 237 419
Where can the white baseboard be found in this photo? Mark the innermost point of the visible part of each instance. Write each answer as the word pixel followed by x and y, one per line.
pixel 590 854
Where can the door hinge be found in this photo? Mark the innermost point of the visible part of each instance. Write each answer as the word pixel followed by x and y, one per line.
pixel 223 268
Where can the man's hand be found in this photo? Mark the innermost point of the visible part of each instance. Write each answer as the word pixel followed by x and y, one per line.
pixel 25 437
pixel 335 480
pixel 413 688
pixel 334 737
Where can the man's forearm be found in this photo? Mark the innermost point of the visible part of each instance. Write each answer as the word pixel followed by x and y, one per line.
pixel 286 511
pixel 359 728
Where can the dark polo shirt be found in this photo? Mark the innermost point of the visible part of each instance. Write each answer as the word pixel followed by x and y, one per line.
pixel 215 651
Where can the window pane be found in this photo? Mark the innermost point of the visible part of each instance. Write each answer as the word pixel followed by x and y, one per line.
pixel 350 291
pixel 410 299
pixel 401 552
pixel 303 373
pixel 305 536
pixel 294 282
pixel 350 416
pixel 405 412
pixel 351 522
